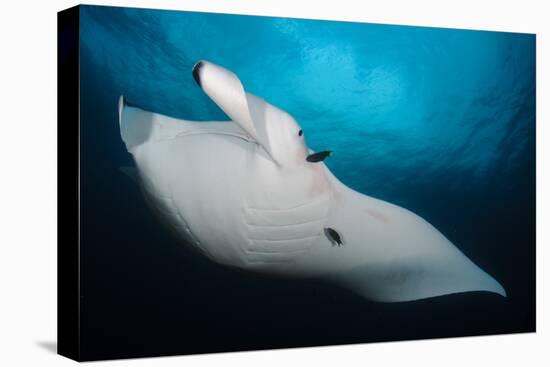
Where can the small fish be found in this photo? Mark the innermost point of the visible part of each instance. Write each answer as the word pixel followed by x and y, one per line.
pixel 319 156
pixel 333 237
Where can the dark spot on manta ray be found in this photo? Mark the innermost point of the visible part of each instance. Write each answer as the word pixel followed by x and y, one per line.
pixel 195 72
pixel 334 237
pixel 300 133
pixel 319 157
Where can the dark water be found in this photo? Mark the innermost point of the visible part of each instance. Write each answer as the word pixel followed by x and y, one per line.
pixel 439 121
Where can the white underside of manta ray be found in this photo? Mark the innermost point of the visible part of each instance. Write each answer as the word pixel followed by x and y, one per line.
pixel 249 194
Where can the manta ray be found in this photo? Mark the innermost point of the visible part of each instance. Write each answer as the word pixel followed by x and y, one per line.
pixel 249 193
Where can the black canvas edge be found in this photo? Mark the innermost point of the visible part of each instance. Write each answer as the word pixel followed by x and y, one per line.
pixel 68 183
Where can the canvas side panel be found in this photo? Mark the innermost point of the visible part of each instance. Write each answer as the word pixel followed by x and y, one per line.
pixel 68 217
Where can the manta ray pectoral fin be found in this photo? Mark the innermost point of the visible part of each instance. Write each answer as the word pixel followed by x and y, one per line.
pixel 121 104
pixel 393 255
pixel 226 90
pixel 138 126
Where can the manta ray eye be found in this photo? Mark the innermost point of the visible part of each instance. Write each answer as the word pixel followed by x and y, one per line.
pixel 300 133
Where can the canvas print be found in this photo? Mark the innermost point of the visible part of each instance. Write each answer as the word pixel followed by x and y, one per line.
pixel 255 182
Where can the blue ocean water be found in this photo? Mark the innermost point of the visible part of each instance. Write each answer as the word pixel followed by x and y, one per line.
pixel 439 121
